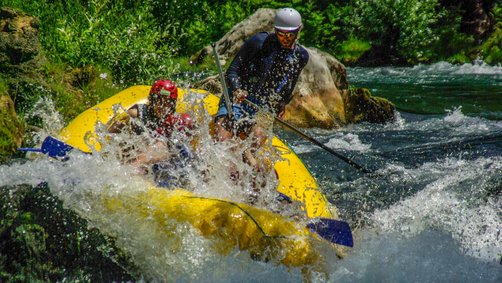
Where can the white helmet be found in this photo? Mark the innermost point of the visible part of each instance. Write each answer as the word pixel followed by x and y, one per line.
pixel 288 19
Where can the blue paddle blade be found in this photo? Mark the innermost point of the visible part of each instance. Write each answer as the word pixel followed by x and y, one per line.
pixel 54 147
pixel 335 231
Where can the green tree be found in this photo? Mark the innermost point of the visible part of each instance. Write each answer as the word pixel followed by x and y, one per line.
pixel 407 31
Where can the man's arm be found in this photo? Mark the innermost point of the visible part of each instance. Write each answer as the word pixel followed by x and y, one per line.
pixel 120 121
pixel 242 60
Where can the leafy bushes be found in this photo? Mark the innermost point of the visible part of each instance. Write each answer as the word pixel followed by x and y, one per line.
pixel 140 41
pixel 491 50
pixel 118 35
pixel 409 31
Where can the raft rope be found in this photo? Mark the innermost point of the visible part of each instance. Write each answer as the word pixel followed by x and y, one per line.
pixel 245 212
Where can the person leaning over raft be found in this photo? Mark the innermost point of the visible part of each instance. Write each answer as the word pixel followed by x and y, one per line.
pixel 158 116
pixel 264 72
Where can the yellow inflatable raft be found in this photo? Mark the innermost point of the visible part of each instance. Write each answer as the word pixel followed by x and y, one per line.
pixel 266 235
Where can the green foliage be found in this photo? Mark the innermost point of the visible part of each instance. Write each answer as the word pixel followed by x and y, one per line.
pixel 195 24
pixel 402 27
pixel 205 27
pixel 413 31
pixel 119 35
pixel 352 49
pixel 81 87
pixel 3 86
pixel 451 45
pixel 497 14
pixel 325 24
pixel 491 49
pixel 140 41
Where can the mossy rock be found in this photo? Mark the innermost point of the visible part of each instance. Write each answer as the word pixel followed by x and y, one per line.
pixel 19 44
pixel 11 128
pixel 361 106
pixel 40 241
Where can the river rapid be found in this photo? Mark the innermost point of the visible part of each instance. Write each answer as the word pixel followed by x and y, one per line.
pixel 431 210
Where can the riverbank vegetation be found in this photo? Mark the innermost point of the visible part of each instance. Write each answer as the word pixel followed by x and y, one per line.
pixel 138 40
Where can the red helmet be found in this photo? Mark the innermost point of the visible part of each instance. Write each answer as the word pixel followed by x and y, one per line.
pixel 164 87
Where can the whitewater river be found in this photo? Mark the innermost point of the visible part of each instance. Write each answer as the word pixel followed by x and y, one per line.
pixel 430 212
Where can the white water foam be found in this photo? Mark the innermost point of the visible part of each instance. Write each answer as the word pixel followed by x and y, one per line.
pixel 348 141
pixel 476 68
pixel 437 72
pixel 455 123
pixel 463 125
pixel 474 223
pixel 84 182
pixel 337 141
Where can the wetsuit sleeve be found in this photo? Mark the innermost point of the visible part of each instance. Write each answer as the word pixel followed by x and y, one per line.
pixel 238 66
pixel 118 122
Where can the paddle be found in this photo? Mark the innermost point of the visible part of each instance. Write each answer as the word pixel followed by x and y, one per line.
pixel 226 96
pixel 52 147
pixel 335 231
pixel 314 141
pixel 318 143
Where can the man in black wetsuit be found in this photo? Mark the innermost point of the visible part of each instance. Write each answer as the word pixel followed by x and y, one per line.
pixel 264 72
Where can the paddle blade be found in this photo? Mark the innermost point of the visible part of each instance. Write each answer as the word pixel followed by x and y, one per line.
pixel 335 231
pixel 54 147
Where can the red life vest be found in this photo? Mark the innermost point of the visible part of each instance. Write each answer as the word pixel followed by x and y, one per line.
pixel 176 122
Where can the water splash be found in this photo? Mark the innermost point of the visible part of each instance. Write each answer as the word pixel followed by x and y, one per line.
pixel 348 141
pixel 52 122
pixel 85 181
pixel 444 204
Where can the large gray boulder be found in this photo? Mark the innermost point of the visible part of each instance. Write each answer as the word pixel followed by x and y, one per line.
pixel 230 43
pixel 321 96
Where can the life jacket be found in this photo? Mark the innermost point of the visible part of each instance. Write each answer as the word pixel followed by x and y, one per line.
pixel 176 122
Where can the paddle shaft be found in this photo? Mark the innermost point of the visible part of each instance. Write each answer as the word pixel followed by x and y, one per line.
pixel 321 145
pixel 314 141
pixel 30 149
pixel 226 96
